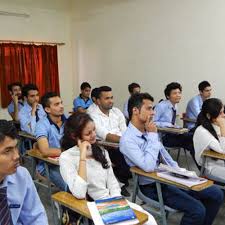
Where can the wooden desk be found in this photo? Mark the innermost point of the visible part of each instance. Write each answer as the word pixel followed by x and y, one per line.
pixel 158 180
pixel 172 130
pixel 36 154
pixel 210 154
pixel 107 144
pixel 80 206
pixel 190 120
pixel 24 134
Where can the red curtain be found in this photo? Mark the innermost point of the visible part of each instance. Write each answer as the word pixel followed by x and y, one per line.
pixel 37 64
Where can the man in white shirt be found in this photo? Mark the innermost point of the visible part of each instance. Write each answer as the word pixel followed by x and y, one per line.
pixel 110 124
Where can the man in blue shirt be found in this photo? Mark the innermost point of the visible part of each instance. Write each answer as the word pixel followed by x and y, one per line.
pixel 31 112
pixel 194 106
pixel 132 88
pixel 17 101
pixel 141 147
pixel 19 201
pixel 48 133
pixel 83 101
pixel 165 116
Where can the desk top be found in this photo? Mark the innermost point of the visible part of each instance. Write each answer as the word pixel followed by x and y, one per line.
pixel 26 135
pixel 107 144
pixel 80 206
pixel 36 154
pixel 213 154
pixel 186 119
pixel 153 175
pixel 172 130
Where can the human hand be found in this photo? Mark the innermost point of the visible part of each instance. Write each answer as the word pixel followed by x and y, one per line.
pixel 150 126
pixel 84 146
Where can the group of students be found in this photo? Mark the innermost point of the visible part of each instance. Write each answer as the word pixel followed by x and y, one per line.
pixel 87 169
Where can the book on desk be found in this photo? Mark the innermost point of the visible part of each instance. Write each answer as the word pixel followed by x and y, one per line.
pixel 112 211
pixel 180 175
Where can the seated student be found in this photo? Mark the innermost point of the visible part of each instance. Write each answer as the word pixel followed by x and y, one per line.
pixel 210 134
pixel 195 104
pixel 17 101
pixel 132 88
pixel 31 112
pixel 85 167
pixel 83 101
pixel 165 116
pixel 110 124
pixel 19 201
pixel 94 96
pixel 141 147
pixel 48 133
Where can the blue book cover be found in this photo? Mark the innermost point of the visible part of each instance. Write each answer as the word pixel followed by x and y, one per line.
pixel 115 210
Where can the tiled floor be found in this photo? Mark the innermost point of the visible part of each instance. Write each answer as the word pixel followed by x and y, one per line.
pixel 172 220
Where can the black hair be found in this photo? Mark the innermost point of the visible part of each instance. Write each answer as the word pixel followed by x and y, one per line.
pixel 27 88
pixel 7 129
pixel 132 86
pixel 203 85
pixel 170 87
pixel 95 93
pixel 10 86
pixel 85 85
pixel 136 100
pixel 103 89
pixel 72 132
pixel 211 109
pixel 45 98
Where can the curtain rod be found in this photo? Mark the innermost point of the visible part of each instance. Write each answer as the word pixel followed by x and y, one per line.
pixel 32 42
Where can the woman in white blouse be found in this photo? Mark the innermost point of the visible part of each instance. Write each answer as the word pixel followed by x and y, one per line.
pixel 210 134
pixel 85 167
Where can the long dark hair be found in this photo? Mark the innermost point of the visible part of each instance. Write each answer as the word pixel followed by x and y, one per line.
pixel 73 129
pixel 211 109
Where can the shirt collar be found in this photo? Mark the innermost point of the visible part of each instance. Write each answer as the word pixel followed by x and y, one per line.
pixel 171 105
pixel 63 118
pixel 135 131
pixel 84 99
pixel 9 179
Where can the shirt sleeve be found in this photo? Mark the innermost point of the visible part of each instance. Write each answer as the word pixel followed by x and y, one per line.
pixel 32 211
pixel 145 158
pixel 77 103
pixel 27 122
pixel 195 108
pixel 122 122
pixel 69 172
pixel 217 146
pixel 41 130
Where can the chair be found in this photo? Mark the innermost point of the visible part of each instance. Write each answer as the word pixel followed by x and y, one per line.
pixel 156 209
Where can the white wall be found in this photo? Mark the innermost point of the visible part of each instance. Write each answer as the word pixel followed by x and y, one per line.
pixel 49 21
pixel 116 42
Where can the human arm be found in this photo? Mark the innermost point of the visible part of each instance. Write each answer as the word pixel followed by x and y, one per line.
pixel 45 150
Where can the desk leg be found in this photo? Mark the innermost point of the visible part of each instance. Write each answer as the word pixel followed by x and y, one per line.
pixel 135 178
pixel 161 204
pixel 203 166
pixel 50 192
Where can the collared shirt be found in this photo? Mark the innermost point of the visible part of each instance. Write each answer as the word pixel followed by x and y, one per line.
pixel 48 129
pixel 142 150
pixel 80 102
pixel 24 202
pixel 11 106
pixel 27 121
pixel 194 107
pixel 114 123
pixel 164 113
pixel 125 109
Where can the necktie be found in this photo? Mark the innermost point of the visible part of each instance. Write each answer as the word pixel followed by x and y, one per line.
pixel 174 116
pixel 5 215
pixel 36 114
